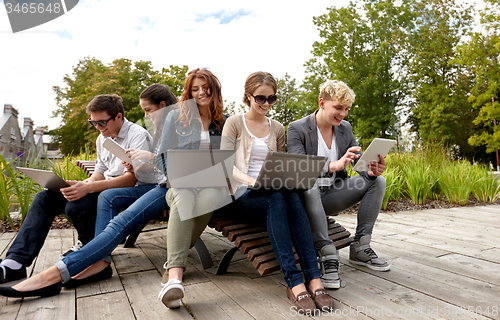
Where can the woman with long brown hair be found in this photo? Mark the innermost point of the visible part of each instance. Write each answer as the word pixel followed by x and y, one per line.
pixel 197 124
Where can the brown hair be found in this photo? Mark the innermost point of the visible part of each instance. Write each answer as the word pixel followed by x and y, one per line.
pixel 256 80
pixel 337 90
pixel 111 103
pixel 157 93
pixel 215 105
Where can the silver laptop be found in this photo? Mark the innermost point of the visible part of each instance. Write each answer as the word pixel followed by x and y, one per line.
pixel 199 168
pixel 45 178
pixel 289 171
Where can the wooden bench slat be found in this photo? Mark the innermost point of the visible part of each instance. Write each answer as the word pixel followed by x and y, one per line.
pixel 233 235
pixel 233 227
pixel 248 237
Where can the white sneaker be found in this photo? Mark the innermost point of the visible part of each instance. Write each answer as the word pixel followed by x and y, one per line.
pixel 171 293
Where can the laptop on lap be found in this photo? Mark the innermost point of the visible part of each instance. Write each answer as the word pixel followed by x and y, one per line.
pixel 289 171
pixel 45 178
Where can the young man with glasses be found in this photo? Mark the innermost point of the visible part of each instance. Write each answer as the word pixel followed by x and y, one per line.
pixel 325 133
pixel 79 201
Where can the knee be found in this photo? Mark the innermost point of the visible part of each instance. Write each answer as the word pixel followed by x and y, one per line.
pixel 277 197
pixel 380 183
pixel 106 197
pixel 41 197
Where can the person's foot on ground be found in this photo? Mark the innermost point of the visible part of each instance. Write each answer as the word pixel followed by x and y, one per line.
pixel 328 259
pixel 361 254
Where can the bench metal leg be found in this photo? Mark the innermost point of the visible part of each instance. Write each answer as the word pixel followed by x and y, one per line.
pixel 203 254
pixel 224 262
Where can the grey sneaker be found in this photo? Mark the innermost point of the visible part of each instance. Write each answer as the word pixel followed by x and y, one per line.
pixel 77 246
pixel 361 254
pixel 328 259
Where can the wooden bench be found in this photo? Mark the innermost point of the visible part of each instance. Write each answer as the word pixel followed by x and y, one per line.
pixel 250 238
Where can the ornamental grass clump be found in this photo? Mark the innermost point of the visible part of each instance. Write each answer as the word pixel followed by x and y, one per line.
pixel 486 186
pixel 418 181
pixel 457 181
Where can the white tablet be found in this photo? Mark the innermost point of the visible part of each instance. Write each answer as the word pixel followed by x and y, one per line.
pixel 378 146
pixel 116 149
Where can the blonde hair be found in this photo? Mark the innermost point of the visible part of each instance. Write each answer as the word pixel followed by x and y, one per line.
pixel 337 90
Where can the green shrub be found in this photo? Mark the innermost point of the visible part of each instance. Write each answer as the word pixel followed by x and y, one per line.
pixel 457 181
pixel 486 186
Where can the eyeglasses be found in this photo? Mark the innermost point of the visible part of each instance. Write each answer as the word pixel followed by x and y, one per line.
pixel 102 123
pixel 260 99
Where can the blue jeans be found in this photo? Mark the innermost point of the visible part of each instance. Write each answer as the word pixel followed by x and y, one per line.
pixel 115 200
pixel 45 207
pixel 150 205
pixel 286 221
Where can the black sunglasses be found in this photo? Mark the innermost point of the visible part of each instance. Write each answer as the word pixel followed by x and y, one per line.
pixel 260 99
pixel 102 123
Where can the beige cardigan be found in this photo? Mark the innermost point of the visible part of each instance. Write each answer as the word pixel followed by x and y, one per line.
pixel 235 137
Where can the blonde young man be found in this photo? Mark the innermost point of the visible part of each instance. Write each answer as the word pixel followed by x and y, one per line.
pixel 325 133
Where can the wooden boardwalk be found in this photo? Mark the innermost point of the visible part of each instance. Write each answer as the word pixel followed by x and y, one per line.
pixel 443 262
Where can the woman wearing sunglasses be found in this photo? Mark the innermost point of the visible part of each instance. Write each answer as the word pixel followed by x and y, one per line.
pixel 91 262
pixel 196 124
pixel 252 135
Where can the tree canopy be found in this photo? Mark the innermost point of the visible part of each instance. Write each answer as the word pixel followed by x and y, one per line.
pixel 90 77
pixel 358 46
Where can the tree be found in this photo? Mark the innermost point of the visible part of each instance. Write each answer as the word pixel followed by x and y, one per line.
pixel 482 56
pixel 440 86
pixel 91 77
pixel 284 109
pixel 359 46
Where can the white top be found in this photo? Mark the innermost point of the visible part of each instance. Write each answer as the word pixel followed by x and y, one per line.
pixel 130 136
pixel 332 156
pixel 258 153
pixel 205 140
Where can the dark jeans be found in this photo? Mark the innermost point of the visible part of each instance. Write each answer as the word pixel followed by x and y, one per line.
pixel 45 207
pixel 286 221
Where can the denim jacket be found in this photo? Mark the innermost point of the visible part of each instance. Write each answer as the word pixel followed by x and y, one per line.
pixel 176 136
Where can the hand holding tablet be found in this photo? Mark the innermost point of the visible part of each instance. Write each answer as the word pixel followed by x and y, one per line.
pixel 117 150
pixel 378 147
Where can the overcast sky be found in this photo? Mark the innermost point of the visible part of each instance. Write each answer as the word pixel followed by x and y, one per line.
pixel 232 38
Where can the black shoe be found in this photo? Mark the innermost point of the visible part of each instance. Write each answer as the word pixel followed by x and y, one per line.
pixel 7 274
pixel 104 274
pixel 47 291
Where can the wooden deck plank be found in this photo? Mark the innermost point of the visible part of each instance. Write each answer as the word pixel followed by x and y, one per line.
pixel 61 306
pixel 258 302
pixel 5 241
pixel 100 287
pixel 371 294
pixel 438 283
pixel 142 290
pixel 472 267
pixel 130 260
pixel 114 305
pixel 156 252
pixel 216 305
